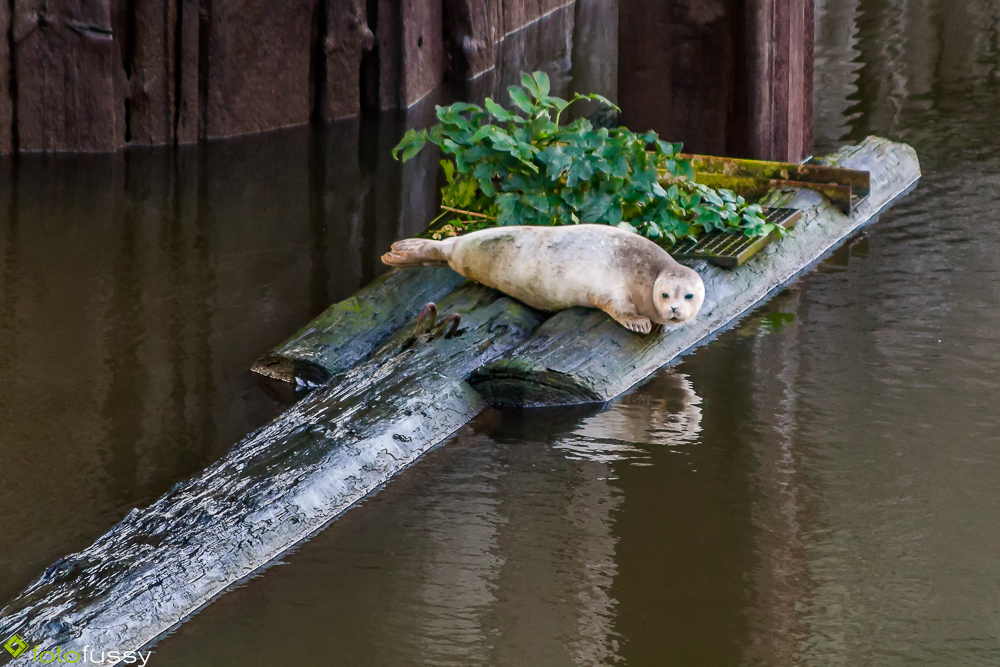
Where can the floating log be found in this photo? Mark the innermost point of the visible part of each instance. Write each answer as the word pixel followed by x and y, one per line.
pixel 350 330
pixel 275 488
pixel 582 355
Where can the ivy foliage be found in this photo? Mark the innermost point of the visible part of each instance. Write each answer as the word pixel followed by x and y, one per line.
pixel 523 168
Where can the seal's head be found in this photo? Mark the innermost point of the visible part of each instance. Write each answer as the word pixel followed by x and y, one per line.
pixel 678 293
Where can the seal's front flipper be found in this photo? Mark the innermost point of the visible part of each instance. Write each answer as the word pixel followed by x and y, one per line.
pixel 638 324
pixel 623 313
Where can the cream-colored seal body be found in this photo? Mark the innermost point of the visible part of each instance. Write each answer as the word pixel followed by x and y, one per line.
pixel 552 268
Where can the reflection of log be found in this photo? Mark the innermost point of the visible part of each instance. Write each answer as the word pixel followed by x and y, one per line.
pixel 580 355
pixel 274 489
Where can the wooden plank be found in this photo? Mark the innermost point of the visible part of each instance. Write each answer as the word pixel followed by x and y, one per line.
pixel 259 58
pixel 347 39
pixel 153 76
pixel 68 70
pixel 6 103
pixel 188 66
pixel 858 181
pixel 754 189
pixel 582 355
pixel 275 488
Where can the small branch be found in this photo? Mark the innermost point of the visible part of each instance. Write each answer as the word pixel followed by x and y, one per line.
pixel 473 213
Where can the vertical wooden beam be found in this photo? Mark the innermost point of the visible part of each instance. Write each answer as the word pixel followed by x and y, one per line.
pixel 6 103
pixel 347 39
pixel 676 69
pixel 778 47
pixel 729 77
pixel 187 71
pixel 422 49
pixel 69 73
pixel 472 29
pixel 153 76
pixel 259 57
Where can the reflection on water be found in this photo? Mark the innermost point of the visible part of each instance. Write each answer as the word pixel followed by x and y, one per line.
pixel 816 487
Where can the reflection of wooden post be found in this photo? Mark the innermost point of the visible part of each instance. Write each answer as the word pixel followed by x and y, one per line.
pixel 723 76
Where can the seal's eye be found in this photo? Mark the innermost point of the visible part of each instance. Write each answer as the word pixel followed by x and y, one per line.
pixel 689 296
pixel 666 296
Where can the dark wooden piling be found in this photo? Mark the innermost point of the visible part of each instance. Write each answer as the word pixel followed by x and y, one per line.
pixel 726 77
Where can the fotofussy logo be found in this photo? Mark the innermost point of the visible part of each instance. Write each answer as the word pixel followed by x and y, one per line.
pixel 16 645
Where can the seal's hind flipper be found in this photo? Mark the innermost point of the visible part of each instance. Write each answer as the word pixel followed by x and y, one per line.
pixel 415 252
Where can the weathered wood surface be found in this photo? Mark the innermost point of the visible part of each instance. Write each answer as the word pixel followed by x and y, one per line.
pixel 725 78
pixel 347 39
pixel 349 331
pixel 581 355
pixel 258 65
pixel 95 76
pixel 69 76
pixel 6 102
pixel 151 68
pixel 275 488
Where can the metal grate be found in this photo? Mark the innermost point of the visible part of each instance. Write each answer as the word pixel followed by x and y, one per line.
pixel 730 250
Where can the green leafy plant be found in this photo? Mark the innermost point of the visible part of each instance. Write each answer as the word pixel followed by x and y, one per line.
pixel 509 168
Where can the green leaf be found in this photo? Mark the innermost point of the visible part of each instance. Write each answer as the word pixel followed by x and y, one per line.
pixel 596 207
pixel 626 226
pixel 500 113
pixel 542 79
pixel 410 144
pixel 531 85
pixel 556 159
pixel 449 170
pixel 521 100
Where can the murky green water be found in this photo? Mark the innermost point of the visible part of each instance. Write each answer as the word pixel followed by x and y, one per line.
pixel 816 487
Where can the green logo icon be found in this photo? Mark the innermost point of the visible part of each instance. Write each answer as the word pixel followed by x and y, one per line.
pixel 16 645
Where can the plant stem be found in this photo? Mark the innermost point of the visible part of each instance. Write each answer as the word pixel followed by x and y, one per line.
pixel 458 210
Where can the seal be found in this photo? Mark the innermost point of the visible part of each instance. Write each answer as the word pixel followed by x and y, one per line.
pixel 552 268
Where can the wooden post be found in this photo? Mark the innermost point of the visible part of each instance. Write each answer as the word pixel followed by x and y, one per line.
pixel 779 54
pixel 726 77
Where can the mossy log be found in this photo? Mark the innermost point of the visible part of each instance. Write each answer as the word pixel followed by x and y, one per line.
pixel 350 330
pixel 582 355
pixel 275 488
